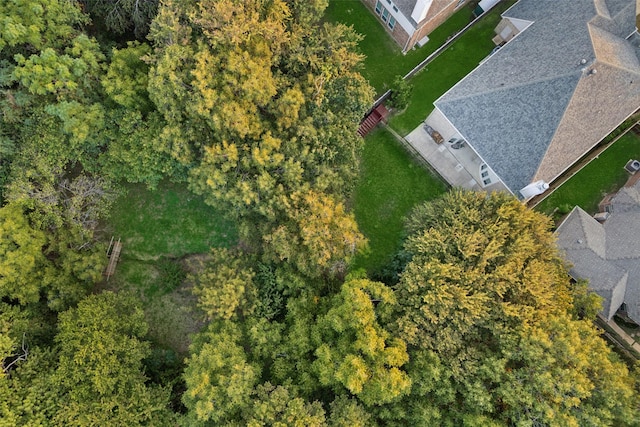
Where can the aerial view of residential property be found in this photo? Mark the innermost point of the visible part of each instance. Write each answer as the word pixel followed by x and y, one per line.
pixel 312 213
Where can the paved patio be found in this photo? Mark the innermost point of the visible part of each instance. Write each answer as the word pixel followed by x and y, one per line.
pixel 450 163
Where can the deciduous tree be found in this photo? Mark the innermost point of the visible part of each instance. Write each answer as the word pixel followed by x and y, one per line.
pixel 276 406
pixel 318 237
pixel 100 368
pixel 263 109
pixel 224 286
pixel 22 261
pixel 218 376
pixel 495 338
pixel 355 351
pixel 122 16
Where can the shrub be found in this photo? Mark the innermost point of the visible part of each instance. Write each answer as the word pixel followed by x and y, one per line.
pixel 400 93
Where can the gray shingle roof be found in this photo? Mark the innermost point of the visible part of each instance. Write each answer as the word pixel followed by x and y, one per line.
pixel 608 255
pixel 406 7
pixel 535 107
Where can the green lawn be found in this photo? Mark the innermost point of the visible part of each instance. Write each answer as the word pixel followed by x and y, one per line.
pixel 161 232
pixel 168 222
pixel 390 184
pixel 447 69
pixel 603 175
pixel 384 58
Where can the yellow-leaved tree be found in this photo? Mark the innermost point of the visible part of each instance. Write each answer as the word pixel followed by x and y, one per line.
pixel 487 310
pixel 261 104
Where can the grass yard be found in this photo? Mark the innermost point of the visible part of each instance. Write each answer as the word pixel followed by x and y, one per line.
pixel 447 69
pixel 161 231
pixel 384 59
pixel 391 183
pixel 603 175
pixel 169 222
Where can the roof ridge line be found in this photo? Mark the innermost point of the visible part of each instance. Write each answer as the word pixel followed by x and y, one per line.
pixel 591 26
pixel 555 132
pixel 514 86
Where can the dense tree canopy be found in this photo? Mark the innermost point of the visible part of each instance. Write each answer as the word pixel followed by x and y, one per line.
pixel 260 103
pixel 485 302
pixel 123 16
pixel 254 105
pixel 92 376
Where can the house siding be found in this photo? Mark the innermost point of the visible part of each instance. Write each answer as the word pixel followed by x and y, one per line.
pixel 399 34
pixel 439 12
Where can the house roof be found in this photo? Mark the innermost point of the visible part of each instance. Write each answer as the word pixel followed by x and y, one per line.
pixel 549 95
pixel 406 7
pixel 608 255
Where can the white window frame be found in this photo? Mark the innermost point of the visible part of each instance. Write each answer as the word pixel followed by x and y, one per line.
pixel 379 8
pixel 392 23
pixel 385 15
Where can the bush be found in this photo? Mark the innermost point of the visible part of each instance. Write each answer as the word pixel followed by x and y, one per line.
pixel 170 277
pixel 400 93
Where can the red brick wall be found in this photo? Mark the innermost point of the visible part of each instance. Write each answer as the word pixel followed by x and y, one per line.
pixel 398 33
pixel 438 13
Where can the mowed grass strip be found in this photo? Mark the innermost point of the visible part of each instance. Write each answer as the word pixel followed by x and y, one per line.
pixel 463 56
pixel 603 175
pixel 383 56
pixel 391 183
pixel 168 222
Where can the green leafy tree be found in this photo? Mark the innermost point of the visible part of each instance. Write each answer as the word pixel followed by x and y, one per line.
pixel 571 378
pixel 218 376
pixel 356 352
pixel 320 237
pixel 400 93
pixel 127 77
pixel 46 23
pixel 224 286
pixel 477 260
pixel 494 335
pixel 345 412
pixel 91 375
pixel 22 262
pixel 100 367
pixel 261 104
pixel 59 222
pixel 123 16
pixel 30 397
pixel 275 406
pixel 71 74
pixel 134 151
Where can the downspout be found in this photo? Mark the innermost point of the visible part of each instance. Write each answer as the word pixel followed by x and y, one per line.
pixel 404 49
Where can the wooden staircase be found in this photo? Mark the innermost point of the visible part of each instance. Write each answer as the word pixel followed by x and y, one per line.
pixel 371 120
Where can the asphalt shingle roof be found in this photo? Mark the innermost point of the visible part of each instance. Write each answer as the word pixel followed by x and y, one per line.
pixel 405 6
pixel 548 96
pixel 608 255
